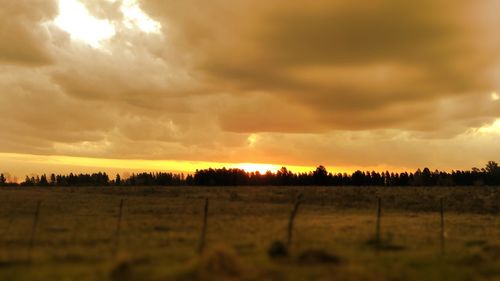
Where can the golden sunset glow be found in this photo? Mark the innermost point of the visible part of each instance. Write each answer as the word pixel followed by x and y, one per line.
pixel 261 168
pixel 39 164
pixel 130 85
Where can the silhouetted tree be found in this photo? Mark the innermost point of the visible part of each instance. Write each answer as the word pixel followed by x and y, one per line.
pixel 404 179
pixel 118 180
pixel 284 177
pixel 28 181
pixel 357 178
pixel 43 181
pixel 492 173
pixel 417 178
pixel 189 180
pixel 320 176
pixel 53 180
pixel 492 167
pixel 376 179
pixel 426 177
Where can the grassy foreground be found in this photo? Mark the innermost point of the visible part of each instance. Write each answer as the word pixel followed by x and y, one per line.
pixel 76 235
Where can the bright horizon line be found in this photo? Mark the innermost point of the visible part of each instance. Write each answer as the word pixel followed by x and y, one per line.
pixel 32 164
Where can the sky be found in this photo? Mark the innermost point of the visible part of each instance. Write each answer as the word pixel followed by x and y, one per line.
pixel 129 85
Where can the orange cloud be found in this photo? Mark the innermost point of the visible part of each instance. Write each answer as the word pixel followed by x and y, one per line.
pixel 369 84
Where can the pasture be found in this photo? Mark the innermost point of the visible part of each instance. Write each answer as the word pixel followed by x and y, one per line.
pixel 79 234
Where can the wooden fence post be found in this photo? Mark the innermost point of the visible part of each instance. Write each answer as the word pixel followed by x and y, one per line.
pixel 293 214
pixel 33 229
pixel 378 239
pixel 118 228
pixel 442 232
pixel 201 244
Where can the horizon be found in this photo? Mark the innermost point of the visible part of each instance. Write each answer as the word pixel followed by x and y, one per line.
pixel 489 175
pixel 125 172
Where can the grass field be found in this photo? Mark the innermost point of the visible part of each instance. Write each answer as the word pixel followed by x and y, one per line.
pixel 76 235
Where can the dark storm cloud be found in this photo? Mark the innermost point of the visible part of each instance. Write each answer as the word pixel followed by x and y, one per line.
pixel 336 57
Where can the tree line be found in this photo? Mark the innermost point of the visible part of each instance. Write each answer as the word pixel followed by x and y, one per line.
pixel 489 175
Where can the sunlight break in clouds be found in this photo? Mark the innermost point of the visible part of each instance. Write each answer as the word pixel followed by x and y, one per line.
pixel 491 129
pixel 135 17
pixel 75 19
pixel 252 139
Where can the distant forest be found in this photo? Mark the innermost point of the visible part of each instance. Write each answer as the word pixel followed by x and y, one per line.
pixel 489 175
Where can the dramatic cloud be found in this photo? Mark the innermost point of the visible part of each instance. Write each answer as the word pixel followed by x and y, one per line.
pixel 375 83
pixel 366 62
pixel 24 39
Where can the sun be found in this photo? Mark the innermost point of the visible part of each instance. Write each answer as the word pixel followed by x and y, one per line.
pixel 261 168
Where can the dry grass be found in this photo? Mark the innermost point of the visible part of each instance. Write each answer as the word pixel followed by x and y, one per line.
pixel 161 228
